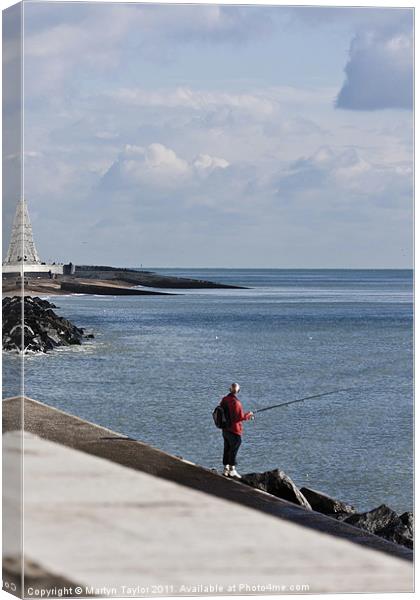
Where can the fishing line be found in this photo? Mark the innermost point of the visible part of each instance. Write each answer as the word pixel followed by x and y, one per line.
pixel 259 410
pixel 355 389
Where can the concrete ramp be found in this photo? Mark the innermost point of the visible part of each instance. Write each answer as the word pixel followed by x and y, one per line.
pixel 125 530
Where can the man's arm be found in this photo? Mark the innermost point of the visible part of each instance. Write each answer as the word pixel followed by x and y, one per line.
pixel 238 413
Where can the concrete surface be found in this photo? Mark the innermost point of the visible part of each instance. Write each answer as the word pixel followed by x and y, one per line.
pixel 118 516
pixel 114 529
pixel 37 579
pixel 58 426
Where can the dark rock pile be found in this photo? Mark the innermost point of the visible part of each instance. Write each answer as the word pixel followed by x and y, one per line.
pixel 326 505
pixel 386 523
pixel 381 521
pixel 43 329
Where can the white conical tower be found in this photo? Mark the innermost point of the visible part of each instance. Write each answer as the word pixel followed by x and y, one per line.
pixel 22 247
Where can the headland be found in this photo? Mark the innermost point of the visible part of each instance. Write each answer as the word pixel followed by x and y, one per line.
pixel 25 272
pixel 103 280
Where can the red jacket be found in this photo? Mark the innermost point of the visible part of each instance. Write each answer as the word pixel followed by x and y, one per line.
pixel 236 413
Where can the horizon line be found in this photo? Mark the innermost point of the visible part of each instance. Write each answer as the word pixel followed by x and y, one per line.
pixel 281 268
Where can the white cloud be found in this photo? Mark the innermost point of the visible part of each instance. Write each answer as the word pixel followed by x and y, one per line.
pixel 216 23
pixel 379 72
pixel 93 36
pixel 158 166
pixel 206 163
pixel 347 177
pixel 261 104
pixel 54 52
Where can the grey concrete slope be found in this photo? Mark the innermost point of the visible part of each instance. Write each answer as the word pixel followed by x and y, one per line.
pixel 57 426
pixel 118 531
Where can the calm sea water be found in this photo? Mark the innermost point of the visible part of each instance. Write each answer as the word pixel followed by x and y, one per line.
pixel 158 366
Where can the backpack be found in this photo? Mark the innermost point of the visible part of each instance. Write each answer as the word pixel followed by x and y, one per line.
pixel 221 417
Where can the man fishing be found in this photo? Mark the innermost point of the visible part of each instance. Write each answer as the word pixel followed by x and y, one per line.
pixel 232 433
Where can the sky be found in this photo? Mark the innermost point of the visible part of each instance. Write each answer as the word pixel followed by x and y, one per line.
pixel 217 136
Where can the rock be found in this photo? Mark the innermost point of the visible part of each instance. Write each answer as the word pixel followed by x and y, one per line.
pixel 278 484
pixel 374 520
pixel 407 519
pixel 42 329
pixel 397 532
pixel 338 516
pixel 326 504
pixel 384 522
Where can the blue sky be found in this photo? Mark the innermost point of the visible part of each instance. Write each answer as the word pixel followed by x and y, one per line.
pixel 219 135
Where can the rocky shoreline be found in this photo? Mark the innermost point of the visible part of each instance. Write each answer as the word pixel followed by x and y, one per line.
pixel 381 521
pixel 42 330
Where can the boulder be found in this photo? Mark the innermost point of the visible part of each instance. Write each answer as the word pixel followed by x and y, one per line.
pixel 397 532
pixel 278 484
pixel 407 519
pixel 42 329
pixel 326 504
pixel 374 520
pixel 384 522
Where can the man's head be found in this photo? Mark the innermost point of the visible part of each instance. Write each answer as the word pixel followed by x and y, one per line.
pixel 234 388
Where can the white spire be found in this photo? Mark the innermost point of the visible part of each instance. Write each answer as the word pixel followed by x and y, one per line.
pixel 22 247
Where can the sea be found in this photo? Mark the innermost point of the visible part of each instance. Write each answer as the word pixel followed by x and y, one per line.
pixel 158 365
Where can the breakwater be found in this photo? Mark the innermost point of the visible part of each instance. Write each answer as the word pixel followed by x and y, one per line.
pixel 41 329
pixel 155 524
pixel 148 278
pixel 65 429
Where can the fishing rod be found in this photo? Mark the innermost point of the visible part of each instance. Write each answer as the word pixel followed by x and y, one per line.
pixel 258 410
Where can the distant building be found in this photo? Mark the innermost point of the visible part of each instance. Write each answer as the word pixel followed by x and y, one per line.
pixel 22 256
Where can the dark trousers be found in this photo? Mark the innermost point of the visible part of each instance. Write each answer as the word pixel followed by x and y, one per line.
pixel 231 447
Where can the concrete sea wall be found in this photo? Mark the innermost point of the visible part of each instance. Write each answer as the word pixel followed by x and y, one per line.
pixel 108 512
